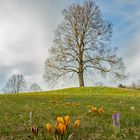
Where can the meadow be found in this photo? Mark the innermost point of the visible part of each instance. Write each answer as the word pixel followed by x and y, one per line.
pixel 75 102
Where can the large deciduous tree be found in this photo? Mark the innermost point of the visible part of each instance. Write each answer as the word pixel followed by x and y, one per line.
pixel 15 84
pixel 82 46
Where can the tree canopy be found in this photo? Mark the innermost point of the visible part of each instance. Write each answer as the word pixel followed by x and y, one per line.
pixel 82 47
pixel 15 84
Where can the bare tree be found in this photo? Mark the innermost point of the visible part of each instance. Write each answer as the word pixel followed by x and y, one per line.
pixel 133 85
pixel 35 87
pixel 15 84
pixel 82 46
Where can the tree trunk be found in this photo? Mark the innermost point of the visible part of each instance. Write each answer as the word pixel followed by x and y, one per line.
pixel 81 79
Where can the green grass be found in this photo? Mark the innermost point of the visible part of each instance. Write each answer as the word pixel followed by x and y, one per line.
pixel 14 113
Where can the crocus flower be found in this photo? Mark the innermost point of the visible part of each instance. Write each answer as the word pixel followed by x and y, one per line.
pixel 118 116
pixel 116 122
pixel 132 108
pixel 61 128
pixel 76 123
pixel 93 109
pixel 48 127
pixel 67 120
pixel 60 120
pixel 100 110
pixel 34 130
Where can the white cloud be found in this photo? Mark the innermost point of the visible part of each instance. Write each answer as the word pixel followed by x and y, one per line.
pixel 23 45
pixel 27 31
pixel 125 15
pixel 132 56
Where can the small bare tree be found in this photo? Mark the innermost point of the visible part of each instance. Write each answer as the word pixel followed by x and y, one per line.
pixel 35 87
pixel 82 46
pixel 15 84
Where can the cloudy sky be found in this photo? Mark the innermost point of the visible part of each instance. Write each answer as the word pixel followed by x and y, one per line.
pixel 27 30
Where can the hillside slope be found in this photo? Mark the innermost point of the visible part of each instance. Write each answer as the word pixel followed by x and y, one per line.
pixel 45 106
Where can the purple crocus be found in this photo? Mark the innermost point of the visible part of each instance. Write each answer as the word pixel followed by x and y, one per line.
pixel 118 116
pixel 117 124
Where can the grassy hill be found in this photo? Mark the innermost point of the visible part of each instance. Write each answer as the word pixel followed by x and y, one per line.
pixel 14 113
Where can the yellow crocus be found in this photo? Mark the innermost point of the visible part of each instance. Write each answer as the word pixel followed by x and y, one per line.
pixel 100 110
pixel 76 123
pixel 60 120
pixel 48 127
pixel 61 128
pixel 93 109
pixel 64 128
pixel 67 120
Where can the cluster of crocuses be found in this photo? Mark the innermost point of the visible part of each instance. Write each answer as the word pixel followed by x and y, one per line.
pixel 61 130
pixel 100 111
pixel 116 122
